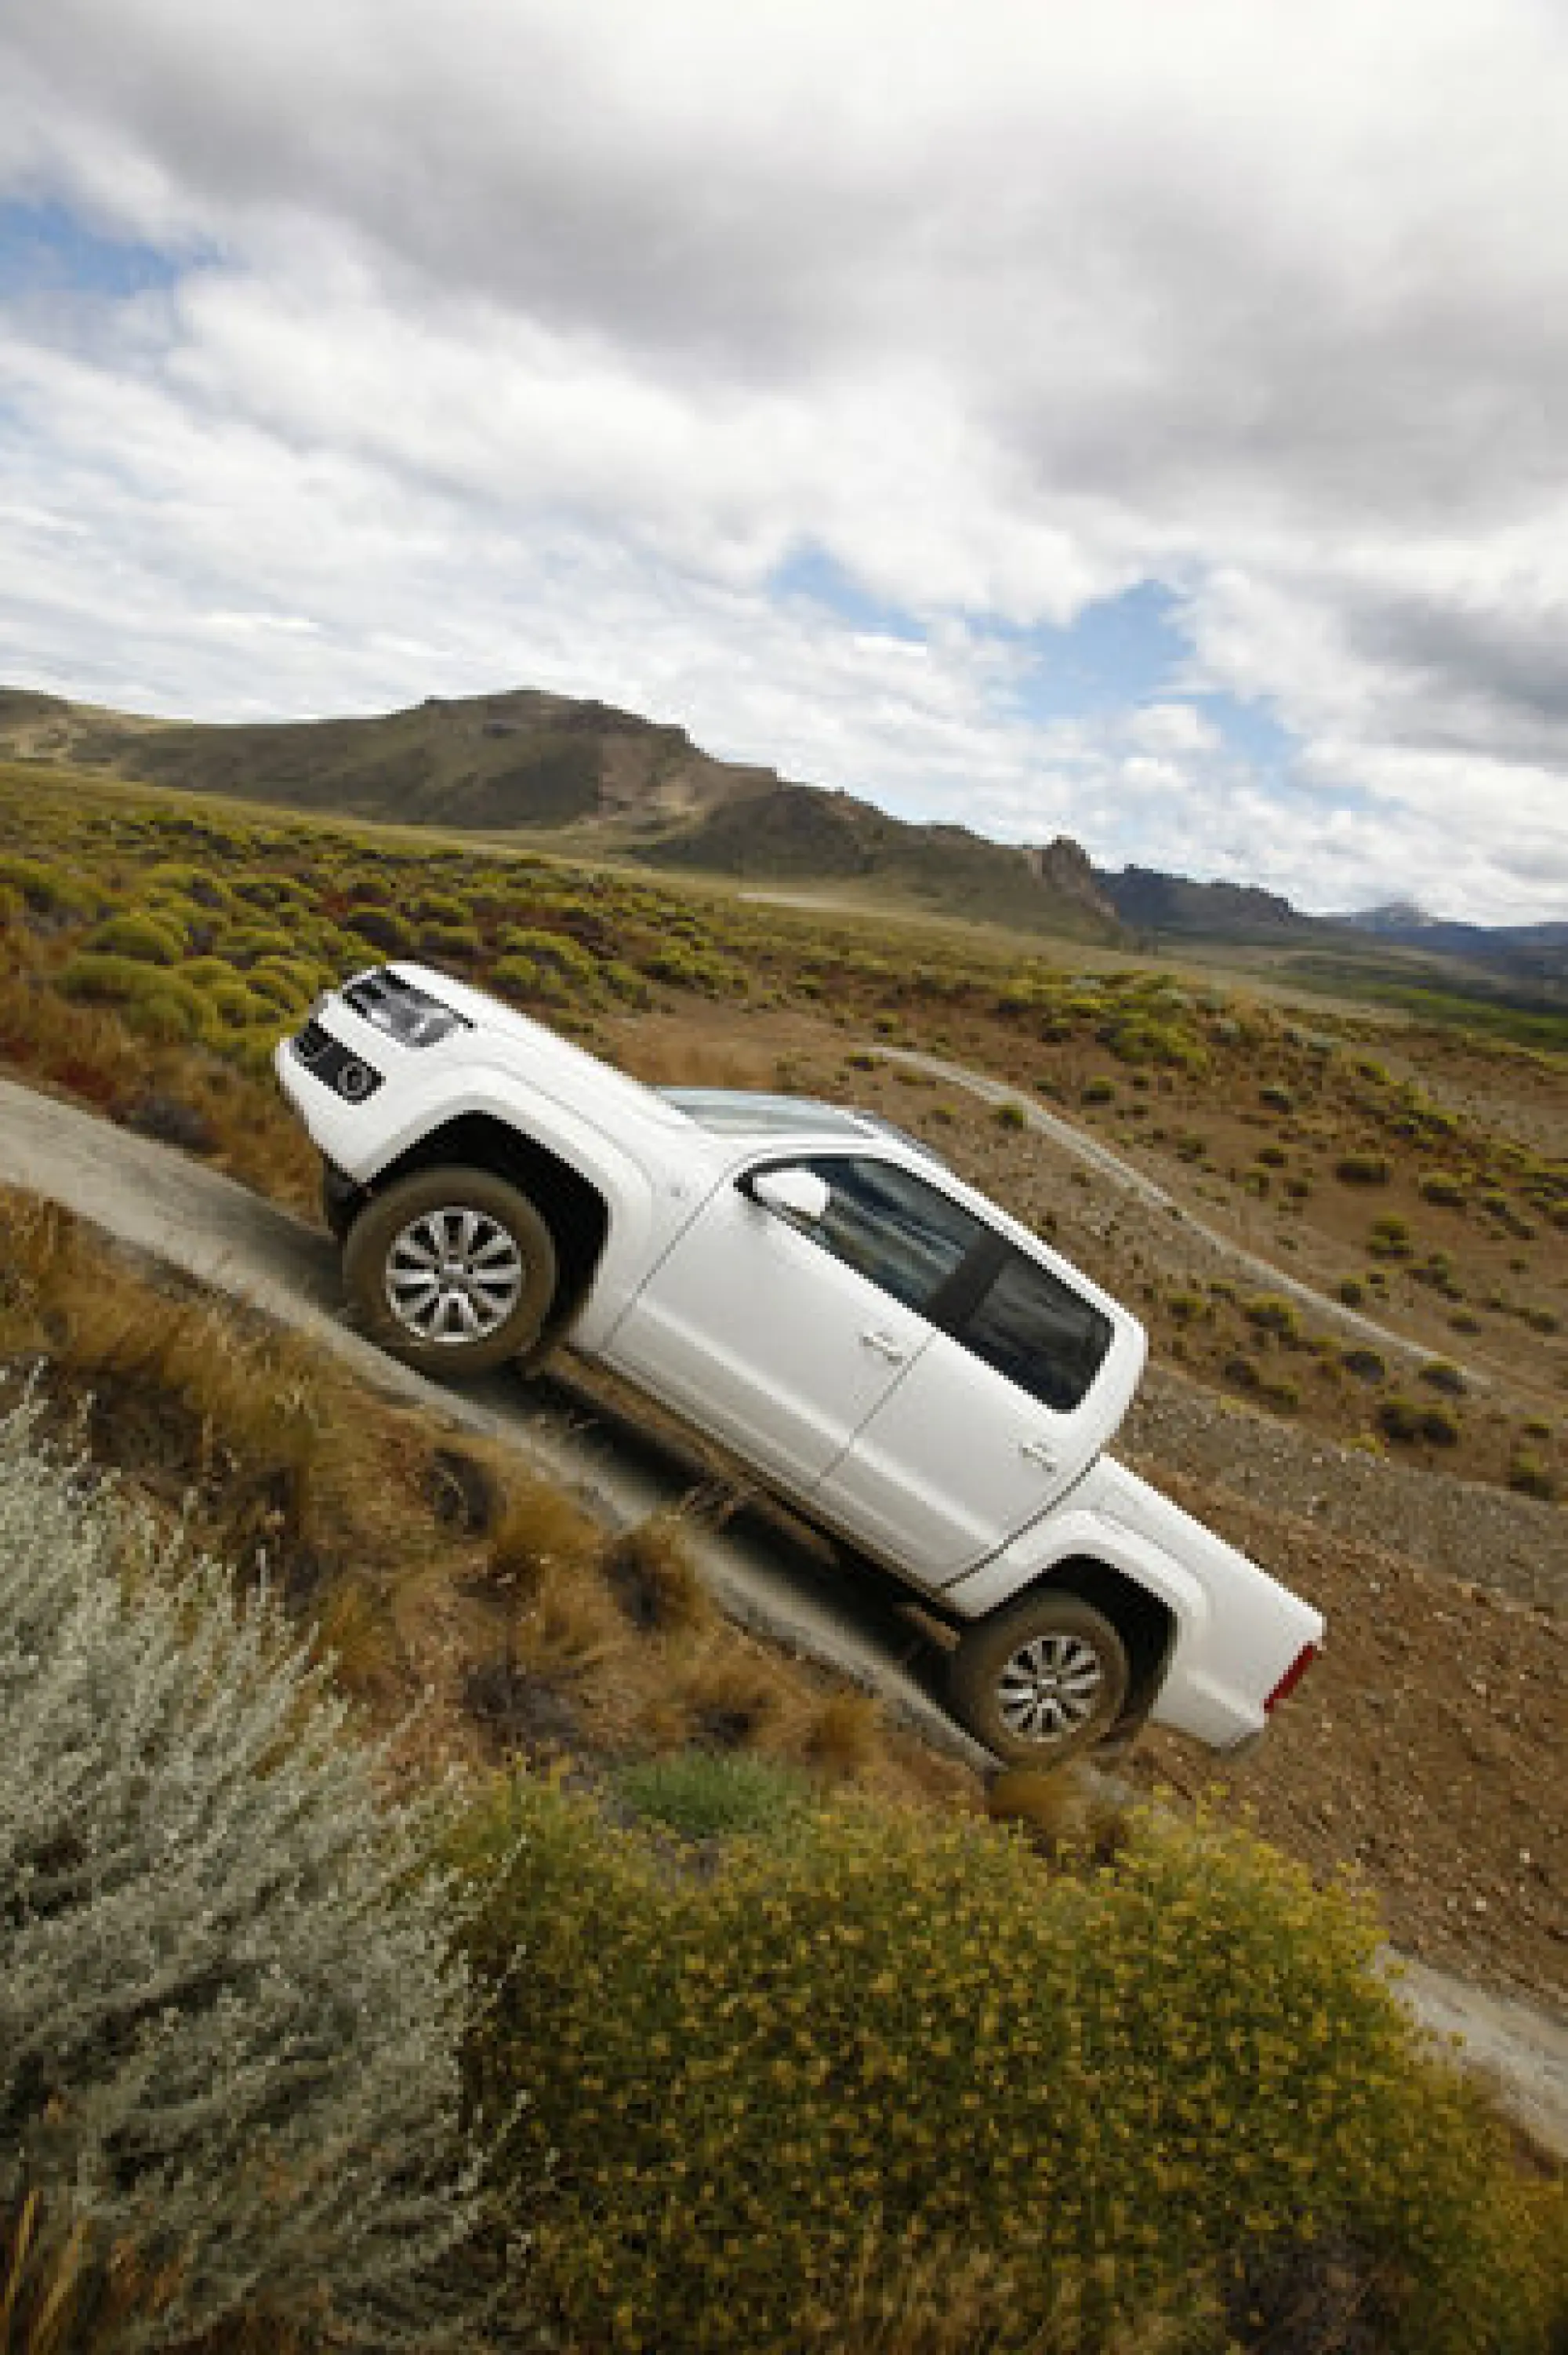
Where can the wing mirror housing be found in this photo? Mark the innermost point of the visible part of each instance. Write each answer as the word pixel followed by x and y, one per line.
pixel 792 1193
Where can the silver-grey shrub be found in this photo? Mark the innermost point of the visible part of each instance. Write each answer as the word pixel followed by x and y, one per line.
pixel 230 2006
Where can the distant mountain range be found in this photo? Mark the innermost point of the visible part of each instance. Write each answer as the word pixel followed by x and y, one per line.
pixel 591 777
pixel 1523 947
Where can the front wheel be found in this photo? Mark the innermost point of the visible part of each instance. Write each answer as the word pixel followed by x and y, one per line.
pixel 1039 1680
pixel 452 1270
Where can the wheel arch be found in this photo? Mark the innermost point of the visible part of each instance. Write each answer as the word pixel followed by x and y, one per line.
pixel 571 1205
pixel 1145 1622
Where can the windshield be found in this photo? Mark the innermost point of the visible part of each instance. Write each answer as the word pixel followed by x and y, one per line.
pixel 744 1111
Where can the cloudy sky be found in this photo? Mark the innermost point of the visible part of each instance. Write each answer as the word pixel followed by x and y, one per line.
pixel 1142 421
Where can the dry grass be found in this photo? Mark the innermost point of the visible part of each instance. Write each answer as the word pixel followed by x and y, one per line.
pixel 1065 1815
pixel 654 1579
pixel 845 1736
pixel 179 1093
pixel 905 2299
pixel 442 1576
pixel 681 1053
pixel 739 1696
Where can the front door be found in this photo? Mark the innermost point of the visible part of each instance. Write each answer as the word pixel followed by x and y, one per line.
pixel 899 1364
pixel 781 1339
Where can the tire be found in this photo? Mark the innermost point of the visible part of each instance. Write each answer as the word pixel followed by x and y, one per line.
pixel 1039 1680
pixel 453 1271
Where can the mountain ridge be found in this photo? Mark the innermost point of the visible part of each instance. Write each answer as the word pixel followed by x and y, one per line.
pixel 527 760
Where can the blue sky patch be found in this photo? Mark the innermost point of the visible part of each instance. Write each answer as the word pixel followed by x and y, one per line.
pixel 1119 652
pixel 45 248
pixel 810 573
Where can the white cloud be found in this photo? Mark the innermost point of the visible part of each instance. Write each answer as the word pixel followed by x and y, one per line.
pixel 523 342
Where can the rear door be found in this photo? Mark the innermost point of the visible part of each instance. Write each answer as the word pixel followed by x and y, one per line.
pixel 991 1423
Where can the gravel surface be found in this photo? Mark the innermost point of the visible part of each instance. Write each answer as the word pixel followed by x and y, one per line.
pixel 1460 1529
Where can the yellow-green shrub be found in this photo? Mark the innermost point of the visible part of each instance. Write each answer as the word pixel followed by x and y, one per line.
pixel 46 890
pixel 1146 2079
pixel 98 977
pixel 544 968
pixel 150 939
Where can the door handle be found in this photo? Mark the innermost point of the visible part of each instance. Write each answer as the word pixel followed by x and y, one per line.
pixel 1038 1452
pixel 886 1346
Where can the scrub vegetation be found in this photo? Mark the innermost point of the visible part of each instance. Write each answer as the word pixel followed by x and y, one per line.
pixel 152 951
pixel 697 2056
pixel 767 2038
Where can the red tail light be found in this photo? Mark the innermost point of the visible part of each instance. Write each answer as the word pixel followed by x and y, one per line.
pixel 1292 1676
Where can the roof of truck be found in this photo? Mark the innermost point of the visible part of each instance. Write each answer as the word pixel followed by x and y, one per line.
pixel 748 1112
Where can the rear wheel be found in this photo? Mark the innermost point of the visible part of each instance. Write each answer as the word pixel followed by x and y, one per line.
pixel 1040 1680
pixel 452 1270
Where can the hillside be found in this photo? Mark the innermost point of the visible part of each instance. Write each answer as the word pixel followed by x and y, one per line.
pixel 593 779
pixel 622 785
pixel 523 759
pixel 1173 907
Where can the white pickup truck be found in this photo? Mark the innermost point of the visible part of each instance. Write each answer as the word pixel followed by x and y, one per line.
pixel 882 1347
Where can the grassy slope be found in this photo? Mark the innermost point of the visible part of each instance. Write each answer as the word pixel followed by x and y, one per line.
pixel 435 1569
pixel 1238 1106
pixel 532 761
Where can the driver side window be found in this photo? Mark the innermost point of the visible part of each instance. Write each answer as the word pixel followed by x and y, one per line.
pixel 901 1234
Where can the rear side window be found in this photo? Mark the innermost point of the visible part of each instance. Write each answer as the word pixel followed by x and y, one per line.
pixel 1034 1328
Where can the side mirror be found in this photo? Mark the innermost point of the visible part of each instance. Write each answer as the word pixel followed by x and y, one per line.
pixel 793 1193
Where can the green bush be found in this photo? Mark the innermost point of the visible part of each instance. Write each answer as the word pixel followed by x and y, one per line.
pixel 450 944
pixel 45 891
pixel 94 977
pixel 708 1795
pixel 229 2014
pixel 1530 1475
pixel 248 944
pixel 288 982
pixel 703 970
pixel 1361 1169
pixel 178 878
pixel 170 1012
pixel 1440 1185
pixel 890 2041
pixel 382 928
pixel 235 1006
pixel 1407 1420
pixel 1010 1115
pixel 142 937
pixel 624 981
pixel 547 967
pixel 1140 1039
pixel 1272 1314
pixel 442 908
